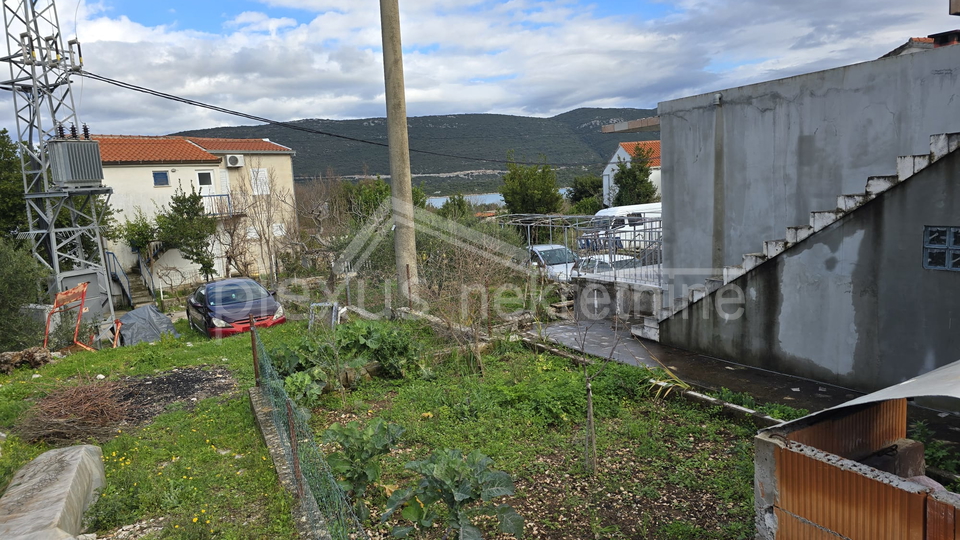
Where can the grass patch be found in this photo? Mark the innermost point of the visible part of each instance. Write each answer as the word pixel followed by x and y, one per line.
pixel 668 468
pixel 201 466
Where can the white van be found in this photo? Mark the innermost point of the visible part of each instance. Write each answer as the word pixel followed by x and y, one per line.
pixel 633 228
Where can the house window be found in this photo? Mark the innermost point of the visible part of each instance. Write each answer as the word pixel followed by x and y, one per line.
pixel 259 182
pixel 279 229
pixel 161 179
pixel 941 248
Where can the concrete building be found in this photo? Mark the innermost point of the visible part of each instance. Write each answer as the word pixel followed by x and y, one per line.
pixel 812 224
pixel 624 154
pixel 236 177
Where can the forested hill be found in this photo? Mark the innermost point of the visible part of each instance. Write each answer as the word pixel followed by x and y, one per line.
pixel 571 141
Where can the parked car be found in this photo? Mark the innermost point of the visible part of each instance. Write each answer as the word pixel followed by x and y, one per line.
pixel 223 308
pixel 554 260
pixel 602 264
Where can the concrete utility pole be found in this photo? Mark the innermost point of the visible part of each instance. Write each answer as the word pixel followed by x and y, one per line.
pixel 405 243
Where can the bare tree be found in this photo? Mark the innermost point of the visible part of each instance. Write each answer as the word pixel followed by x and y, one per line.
pixel 268 210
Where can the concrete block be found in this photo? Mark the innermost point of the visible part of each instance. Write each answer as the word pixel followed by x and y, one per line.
pixel 646 332
pixel 942 144
pixel 697 292
pixel 798 234
pixel 878 184
pixel 47 497
pixel 680 304
pixel 908 166
pixel 819 220
pixel 752 260
pixel 731 273
pixel 772 248
pixel 906 461
pixel 847 203
pixel 713 284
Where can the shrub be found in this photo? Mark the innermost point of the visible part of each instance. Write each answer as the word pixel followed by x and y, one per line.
pixel 459 483
pixel 20 276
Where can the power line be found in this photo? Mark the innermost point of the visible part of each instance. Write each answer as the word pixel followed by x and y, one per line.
pixel 295 127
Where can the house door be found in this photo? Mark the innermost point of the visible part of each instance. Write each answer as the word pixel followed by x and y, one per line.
pixel 207 191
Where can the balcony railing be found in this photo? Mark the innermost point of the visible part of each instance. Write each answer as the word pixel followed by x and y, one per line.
pixel 218 205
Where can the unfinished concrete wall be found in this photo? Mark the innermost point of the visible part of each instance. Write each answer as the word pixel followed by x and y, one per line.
pixel 851 305
pixel 739 170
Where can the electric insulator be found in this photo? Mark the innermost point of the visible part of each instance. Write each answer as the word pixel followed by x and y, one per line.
pixel 73 131
pixel 61 133
pixel 86 131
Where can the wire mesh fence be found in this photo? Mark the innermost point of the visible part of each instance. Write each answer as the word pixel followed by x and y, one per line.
pixel 326 509
pixel 621 248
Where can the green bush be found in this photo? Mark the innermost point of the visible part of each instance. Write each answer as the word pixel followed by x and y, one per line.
pixel 20 277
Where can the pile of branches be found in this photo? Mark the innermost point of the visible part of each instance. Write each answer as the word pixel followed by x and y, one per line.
pixel 33 357
pixel 91 410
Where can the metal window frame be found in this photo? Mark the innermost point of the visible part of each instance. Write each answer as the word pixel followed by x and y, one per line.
pixel 950 249
pixel 165 174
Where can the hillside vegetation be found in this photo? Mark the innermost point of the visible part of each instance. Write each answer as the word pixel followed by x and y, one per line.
pixel 571 141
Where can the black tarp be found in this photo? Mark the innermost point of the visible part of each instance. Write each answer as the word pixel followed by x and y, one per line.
pixel 145 323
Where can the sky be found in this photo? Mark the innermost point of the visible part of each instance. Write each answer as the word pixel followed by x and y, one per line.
pixel 295 59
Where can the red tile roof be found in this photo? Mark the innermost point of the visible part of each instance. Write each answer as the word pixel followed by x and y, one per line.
pixel 117 149
pixel 653 146
pixel 238 145
pixel 132 149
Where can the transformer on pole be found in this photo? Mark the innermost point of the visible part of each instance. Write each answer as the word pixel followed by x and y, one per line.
pixel 62 172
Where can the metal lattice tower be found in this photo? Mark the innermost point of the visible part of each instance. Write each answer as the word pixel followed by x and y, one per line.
pixel 62 172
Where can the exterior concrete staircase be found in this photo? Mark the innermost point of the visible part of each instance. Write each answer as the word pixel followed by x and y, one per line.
pixel 907 166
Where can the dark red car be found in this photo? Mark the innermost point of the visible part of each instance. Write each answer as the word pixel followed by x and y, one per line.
pixel 223 308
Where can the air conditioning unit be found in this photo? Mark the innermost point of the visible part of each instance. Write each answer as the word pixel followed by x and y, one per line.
pixel 234 160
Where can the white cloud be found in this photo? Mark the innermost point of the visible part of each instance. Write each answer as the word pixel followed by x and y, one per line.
pixel 529 57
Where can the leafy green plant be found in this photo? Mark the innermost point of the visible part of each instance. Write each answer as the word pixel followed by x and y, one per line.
pixel 459 482
pixel 936 452
pixel 355 465
pixel 373 341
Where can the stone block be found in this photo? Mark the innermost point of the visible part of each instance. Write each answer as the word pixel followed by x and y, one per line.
pixel 878 184
pixel 752 260
pixel 797 234
pixel 731 273
pixel 47 497
pixel 820 220
pixel 847 203
pixel 772 248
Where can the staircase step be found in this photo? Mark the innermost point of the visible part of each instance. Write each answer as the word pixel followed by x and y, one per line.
pixel 697 293
pixel 752 260
pixel 646 332
pixel 680 304
pixel 908 166
pixel 772 248
pixel 713 284
pixel 819 220
pixel 731 273
pixel 943 144
pixel 797 234
pixel 878 184
pixel 851 202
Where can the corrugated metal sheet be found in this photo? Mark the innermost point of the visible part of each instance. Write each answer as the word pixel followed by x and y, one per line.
pixel 860 434
pixel 791 528
pixel 850 504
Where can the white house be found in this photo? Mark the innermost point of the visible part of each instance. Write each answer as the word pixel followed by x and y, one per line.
pixel 238 178
pixel 624 153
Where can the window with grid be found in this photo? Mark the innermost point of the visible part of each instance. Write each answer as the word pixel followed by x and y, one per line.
pixel 161 179
pixel 941 248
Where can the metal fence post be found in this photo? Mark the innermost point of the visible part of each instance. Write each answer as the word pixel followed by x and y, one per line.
pixel 256 356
